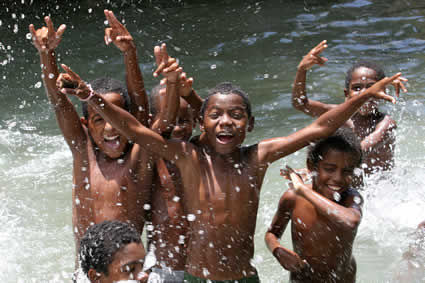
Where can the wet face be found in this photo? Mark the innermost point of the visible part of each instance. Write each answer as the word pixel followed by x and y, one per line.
pixel 185 122
pixel 127 264
pixel 361 79
pixel 334 173
pixel 226 122
pixel 106 138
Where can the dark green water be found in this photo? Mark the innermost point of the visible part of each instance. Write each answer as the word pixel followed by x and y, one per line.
pixel 255 44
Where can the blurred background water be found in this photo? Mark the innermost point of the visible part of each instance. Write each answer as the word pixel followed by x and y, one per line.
pixel 255 44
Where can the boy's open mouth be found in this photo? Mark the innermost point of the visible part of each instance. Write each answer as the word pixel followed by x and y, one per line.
pixel 225 137
pixel 334 188
pixel 112 141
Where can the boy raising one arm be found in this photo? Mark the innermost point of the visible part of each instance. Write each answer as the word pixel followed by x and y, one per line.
pixel 221 178
pixel 324 216
pixel 375 129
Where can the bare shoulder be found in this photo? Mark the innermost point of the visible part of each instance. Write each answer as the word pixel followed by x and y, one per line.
pixel 288 198
pixel 351 198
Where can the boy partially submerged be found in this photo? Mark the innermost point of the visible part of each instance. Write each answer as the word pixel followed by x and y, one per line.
pixel 374 129
pixel 324 215
pixel 222 179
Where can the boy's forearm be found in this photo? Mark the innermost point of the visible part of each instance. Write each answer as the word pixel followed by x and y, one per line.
pixel 336 213
pixel 168 109
pixel 331 120
pixel 299 95
pixel 135 86
pixel 195 101
pixel 50 73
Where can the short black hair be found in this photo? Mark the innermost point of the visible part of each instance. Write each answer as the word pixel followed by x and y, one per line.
pixel 102 241
pixel 106 85
pixel 227 88
pixel 380 74
pixel 152 99
pixel 343 140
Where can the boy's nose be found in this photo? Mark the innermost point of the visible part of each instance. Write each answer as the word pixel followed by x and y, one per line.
pixel 225 120
pixel 108 127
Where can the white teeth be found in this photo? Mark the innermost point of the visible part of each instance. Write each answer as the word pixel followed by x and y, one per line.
pixel 334 188
pixel 225 134
pixel 111 138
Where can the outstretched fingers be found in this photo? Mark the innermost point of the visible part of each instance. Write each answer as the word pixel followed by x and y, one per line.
pixel 161 57
pixel 71 73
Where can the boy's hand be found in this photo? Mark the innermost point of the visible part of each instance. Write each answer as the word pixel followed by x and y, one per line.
pixel 167 66
pixel 117 33
pixel 398 84
pixel 312 58
pixel 185 87
pixel 296 180
pixel 290 261
pixel 378 89
pixel 46 39
pixel 304 173
pixel 71 84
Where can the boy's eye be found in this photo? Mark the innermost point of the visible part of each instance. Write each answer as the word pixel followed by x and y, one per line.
pixel 213 115
pixel 237 115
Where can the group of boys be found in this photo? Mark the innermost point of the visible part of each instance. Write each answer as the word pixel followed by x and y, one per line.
pixel 201 194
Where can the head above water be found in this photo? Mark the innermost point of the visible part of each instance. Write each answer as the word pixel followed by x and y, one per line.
pixel 109 250
pixel 108 85
pixel 380 74
pixel 227 88
pixel 343 140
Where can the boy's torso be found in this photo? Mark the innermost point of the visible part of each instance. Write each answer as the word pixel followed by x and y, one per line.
pixel 221 199
pixel 110 190
pixel 322 244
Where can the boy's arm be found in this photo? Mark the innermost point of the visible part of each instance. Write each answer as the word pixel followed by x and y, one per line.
pixel 123 121
pixel 189 94
pixel 383 130
pixel 272 149
pixel 300 100
pixel 170 100
pixel 287 258
pixel 46 40
pixel 348 216
pixel 119 35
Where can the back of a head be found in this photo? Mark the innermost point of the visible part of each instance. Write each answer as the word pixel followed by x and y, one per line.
pixel 343 140
pixel 154 99
pixel 227 88
pixel 102 241
pixel 380 74
pixel 106 85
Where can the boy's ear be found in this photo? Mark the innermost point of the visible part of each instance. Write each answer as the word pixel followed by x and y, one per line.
pixel 83 121
pixel 251 123
pixel 93 275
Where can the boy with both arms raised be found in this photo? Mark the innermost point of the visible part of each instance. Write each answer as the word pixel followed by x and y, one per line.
pixel 218 173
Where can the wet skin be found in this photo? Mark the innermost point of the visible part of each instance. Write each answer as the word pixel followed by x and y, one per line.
pixel 168 217
pixel 322 228
pixel 111 177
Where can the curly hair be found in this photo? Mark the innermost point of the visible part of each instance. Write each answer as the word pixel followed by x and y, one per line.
pixel 102 241
pixel 106 85
pixel 343 140
pixel 227 88
pixel 380 74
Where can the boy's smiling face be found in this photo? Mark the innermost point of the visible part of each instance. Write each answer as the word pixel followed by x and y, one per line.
pixel 185 122
pixel 361 79
pixel 106 138
pixel 226 122
pixel 334 173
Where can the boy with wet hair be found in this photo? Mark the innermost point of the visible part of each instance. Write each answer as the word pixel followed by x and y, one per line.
pixel 324 215
pixel 221 178
pixel 111 177
pixel 112 251
pixel 375 129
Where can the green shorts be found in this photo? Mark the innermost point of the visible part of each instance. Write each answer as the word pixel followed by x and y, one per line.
pixel 188 278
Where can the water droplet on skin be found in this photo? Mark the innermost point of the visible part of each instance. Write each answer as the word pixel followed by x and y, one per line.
pixel 87 187
pixel 205 272
pixel 363 78
pixel 84 169
pixel 211 245
pixel 51 76
pixel 77 201
pixel 120 161
pixel 191 217
pixel 198 211
pixel 176 199
pixel 147 207
pixel 337 196
pixel 201 232
pixel 37 85
pixel 237 189
pixel 124 188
